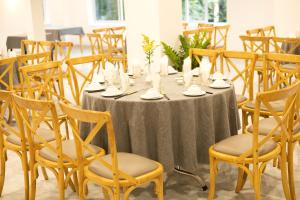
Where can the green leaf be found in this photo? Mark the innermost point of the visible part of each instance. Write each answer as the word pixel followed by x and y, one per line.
pixel 173 55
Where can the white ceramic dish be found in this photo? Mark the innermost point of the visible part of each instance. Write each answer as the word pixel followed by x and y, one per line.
pixel 146 97
pixel 94 87
pixel 194 94
pixel 226 85
pixel 109 94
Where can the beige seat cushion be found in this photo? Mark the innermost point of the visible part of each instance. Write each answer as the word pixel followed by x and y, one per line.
pixel 68 148
pixel 267 124
pixel 58 110
pixel 239 144
pixel 289 66
pixel 131 164
pixel 240 98
pixel 278 106
pixel 47 134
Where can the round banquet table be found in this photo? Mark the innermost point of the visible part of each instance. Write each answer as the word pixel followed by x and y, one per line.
pixel 174 132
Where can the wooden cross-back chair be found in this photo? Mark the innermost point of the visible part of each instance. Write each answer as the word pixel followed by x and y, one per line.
pixel 205 33
pixel 117 50
pixel 241 74
pixel 220 37
pixel 114 170
pixel 269 31
pixel 118 30
pixel 81 75
pixel 59 156
pixel 31 59
pixel 46 46
pixel 253 149
pixel 258 45
pixel 48 81
pixel 11 139
pixel 96 43
pixel 196 56
pixel 62 52
pixel 257 32
pixel 7 73
pixel 28 47
pixel 274 78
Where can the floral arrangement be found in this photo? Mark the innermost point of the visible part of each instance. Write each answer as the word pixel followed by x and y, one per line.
pixel 149 46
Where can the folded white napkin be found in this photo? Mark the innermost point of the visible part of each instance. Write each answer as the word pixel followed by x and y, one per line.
pixel 188 77
pixel 164 65
pixel 136 69
pixel 187 65
pixel 196 71
pixel 171 70
pixel 109 72
pixel 156 81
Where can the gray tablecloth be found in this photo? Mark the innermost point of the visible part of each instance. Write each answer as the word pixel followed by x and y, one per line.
pixel 14 42
pixel 175 132
pixel 55 33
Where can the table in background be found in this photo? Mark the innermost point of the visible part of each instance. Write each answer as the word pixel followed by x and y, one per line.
pixel 14 42
pixel 55 33
pixel 175 132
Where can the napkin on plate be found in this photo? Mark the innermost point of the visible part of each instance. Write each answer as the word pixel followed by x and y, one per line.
pixel 188 77
pixel 164 65
pixel 205 67
pixel 109 72
pixel 124 81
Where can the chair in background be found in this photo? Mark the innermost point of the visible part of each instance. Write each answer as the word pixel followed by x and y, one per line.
pixel 114 171
pixel 58 156
pixel 96 43
pixel 201 25
pixel 117 50
pixel 28 47
pixel 48 81
pixel 260 46
pixel 257 32
pixel 205 33
pixel 7 73
pixel 81 75
pixel 11 139
pixel 197 54
pixel 257 150
pixel 62 52
pixel 269 31
pixel 220 37
pixel 242 75
pixel 118 30
pixel 46 46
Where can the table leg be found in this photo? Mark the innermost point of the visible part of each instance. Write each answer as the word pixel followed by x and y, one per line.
pixel 199 179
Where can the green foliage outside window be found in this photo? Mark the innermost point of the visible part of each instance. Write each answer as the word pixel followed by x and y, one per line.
pixel 107 10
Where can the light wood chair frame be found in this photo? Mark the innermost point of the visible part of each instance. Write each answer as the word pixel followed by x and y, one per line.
pixel 220 37
pixel 111 187
pixel 197 54
pixel 251 156
pixel 28 47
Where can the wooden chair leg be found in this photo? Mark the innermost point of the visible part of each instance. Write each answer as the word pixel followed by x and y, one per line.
pixel 76 182
pixel 2 172
pixel 213 170
pixel 105 194
pixel 45 173
pixel 26 175
pixel 256 182
pixel 61 184
pixel 159 187
pixel 33 176
pixel 291 170
pixel 283 169
pixel 70 183
pixel 242 178
pixel 127 193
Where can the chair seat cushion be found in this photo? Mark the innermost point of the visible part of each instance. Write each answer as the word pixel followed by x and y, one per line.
pixel 68 148
pixel 131 164
pixel 47 134
pixel 278 106
pixel 289 66
pixel 239 144
pixel 240 98
pixel 267 124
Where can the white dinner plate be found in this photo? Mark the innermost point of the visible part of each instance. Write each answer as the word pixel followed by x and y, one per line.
pixel 173 72
pixel 145 97
pixel 193 94
pixel 220 86
pixel 106 94
pixel 99 88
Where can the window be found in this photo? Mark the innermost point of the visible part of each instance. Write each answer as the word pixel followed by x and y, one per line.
pixel 109 10
pixel 204 10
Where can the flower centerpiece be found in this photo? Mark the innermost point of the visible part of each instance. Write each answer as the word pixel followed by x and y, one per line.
pixel 149 46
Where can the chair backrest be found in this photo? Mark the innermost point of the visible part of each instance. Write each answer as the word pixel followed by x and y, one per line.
pixel 62 51
pixel 241 65
pixel 116 44
pixel 284 120
pixel 31 114
pixel 269 31
pixel 7 73
pixel 6 128
pixel 220 37
pixel 46 81
pixel 96 43
pixel 286 45
pixel 100 120
pixel 204 33
pixel 196 56
pixel 257 32
pixel 82 74
pixel 275 76
pixel 258 45
pixel 32 59
pixel 28 47
pixel 118 30
pixel 201 25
